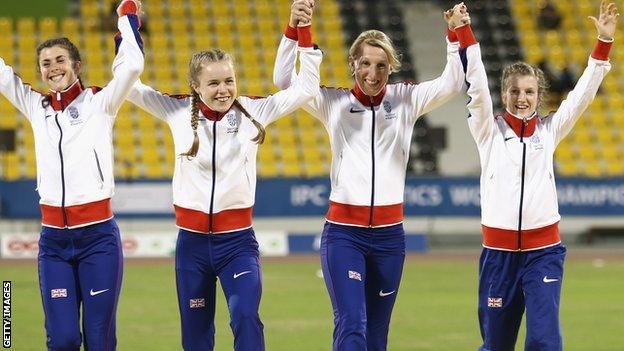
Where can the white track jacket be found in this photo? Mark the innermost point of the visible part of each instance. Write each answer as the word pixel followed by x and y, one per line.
pixel 214 192
pixel 519 209
pixel 370 137
pixel 73 136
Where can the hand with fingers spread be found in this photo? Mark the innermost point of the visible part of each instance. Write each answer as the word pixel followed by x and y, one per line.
pixel 457 16
pixel 301 13
pixel 606 21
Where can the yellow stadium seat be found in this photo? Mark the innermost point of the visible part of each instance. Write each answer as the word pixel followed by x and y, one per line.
pixel 6 25
pixel 12 172
pixel 48 26
pixel 614 169
pixel 268 169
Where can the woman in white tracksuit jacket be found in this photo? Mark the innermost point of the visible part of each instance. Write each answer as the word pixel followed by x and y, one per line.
pixel 370 128
pixel 521 266
pixel 216 135
pixel 80 254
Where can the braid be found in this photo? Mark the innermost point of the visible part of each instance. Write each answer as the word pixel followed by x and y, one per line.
pixel 192 152
pixel 259 138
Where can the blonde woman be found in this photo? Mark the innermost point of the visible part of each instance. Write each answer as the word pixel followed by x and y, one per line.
pixel 370 128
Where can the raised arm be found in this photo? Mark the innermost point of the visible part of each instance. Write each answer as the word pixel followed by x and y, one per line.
pixel 428 95
pixel 284 68
pixel 20 94
pixel 129 60
pixel 303 88
pixel 158 104
pixel 481 114
pixel 598 65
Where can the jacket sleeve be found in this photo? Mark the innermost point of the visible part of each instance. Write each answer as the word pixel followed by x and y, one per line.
pixel 576 102
pixel 127 66
pixel 428 95
pixel 20 94
pixel 302 89
pixel 481 113
pixel 284 70
pixel 156 103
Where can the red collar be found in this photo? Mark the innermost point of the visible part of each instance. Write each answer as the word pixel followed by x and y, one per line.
pixel 516 124
pixel 209 113
pixel 59 100
pixel 365 99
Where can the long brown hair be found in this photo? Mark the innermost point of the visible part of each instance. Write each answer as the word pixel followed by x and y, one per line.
pixel 196 65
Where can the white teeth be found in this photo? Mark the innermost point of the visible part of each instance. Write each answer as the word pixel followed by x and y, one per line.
pixel 223 99
pixel 56 79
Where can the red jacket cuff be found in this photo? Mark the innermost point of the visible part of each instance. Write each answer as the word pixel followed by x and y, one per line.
pixel 127 7
pixel 601 50
pixel 466 36
pixel 451 35
pixel 304 35
pixel 290 32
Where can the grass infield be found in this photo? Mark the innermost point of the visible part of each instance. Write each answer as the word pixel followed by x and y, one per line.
pixel 435 309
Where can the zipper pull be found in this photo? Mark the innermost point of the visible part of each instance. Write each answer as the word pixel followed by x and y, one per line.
pixel 58 96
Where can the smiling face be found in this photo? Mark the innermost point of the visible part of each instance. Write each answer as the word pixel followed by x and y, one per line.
pixel 216 85
pixel 57 69
pixel 521 95
pixel 371 69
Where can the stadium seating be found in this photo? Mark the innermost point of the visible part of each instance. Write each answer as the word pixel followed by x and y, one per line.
pixel 595 147
pixel 296 145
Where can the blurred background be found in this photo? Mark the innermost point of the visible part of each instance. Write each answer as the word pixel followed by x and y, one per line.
pixel 442 190
pixel 442 198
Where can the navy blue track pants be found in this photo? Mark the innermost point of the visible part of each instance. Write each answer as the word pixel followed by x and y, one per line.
pixel 509 283
pixel 80 268
pixel 362 268
pixel 234 259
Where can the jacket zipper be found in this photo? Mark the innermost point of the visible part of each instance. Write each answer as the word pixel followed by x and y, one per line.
pixel 60 149
pixel 214 174
pixel 372 203
pixel 524 122
pixel 97 162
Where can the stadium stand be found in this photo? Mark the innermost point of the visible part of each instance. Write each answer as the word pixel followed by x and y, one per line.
pixel 296 146
pixel 595 146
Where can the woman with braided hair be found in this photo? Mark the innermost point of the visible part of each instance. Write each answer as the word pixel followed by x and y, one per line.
pixel 214 187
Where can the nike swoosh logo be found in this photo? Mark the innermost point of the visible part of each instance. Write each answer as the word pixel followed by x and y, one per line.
pixel 547 280
pixel 508 138
pixel 236 275
pixel 353 110
pixel 93 293
pixel 384 294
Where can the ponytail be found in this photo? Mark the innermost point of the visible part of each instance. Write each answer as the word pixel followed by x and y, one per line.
pixel 192 152
pixel 259 138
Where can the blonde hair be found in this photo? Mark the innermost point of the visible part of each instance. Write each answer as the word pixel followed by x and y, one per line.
pixel 196 64
pixel 379 39
pixel 525 69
